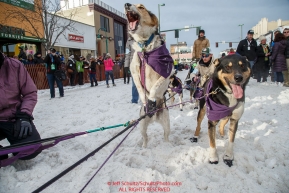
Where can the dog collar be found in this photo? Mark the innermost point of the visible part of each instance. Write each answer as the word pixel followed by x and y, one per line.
pixel 146 43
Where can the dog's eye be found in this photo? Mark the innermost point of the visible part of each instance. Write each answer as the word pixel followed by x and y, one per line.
pixel 141 7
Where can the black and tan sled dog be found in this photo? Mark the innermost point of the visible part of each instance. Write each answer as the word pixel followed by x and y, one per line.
pixel 224 101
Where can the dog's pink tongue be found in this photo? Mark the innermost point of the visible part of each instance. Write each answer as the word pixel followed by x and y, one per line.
pixel 132 25
pixel 237 91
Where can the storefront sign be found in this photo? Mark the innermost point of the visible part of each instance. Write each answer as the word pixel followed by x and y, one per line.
pixel 11 32
pixel 25 4
pixel 75 38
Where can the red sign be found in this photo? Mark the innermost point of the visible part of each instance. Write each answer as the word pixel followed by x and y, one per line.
pixel 75 38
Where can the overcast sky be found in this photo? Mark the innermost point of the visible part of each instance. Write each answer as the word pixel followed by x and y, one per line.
pixel 219 18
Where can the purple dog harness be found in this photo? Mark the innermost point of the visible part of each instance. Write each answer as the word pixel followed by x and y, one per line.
pixel 158 59
pixel 216 111
pixel 179 88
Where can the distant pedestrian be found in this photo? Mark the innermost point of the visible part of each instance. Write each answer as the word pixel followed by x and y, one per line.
pixel 286 73
pixel 232 51
pixel 52 63
pixel 108 66
pixel 30 59
pixel 223 55
pixel 199 44
pixel 80 70
pixel 278 58
pixel 71 69
pixel 38 58
pixel 22 55
pixel 126 74
pixel 92 72
pixel 274 74
pixel 262 64
pixel 128 58
pixel 248 47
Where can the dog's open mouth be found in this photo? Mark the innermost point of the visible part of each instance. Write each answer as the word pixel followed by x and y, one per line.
pixel 133 20
pixel 236 89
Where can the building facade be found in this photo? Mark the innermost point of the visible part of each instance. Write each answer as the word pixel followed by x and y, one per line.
pixel 264 26
pixel 16 32
pixel 110 25
pixel 78 41
pixel 181 52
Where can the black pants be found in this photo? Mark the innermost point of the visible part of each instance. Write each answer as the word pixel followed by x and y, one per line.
pixel 126 74
pixel 72 79
pixel 80 78
pixel 6 131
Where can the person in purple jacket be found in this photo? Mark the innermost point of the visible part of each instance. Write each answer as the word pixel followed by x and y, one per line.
pixel 18 97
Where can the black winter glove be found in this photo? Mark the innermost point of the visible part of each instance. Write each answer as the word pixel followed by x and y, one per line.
pixel 151 106
pixel 22 125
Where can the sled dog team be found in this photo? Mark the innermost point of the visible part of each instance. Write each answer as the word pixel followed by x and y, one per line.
pixel 219 84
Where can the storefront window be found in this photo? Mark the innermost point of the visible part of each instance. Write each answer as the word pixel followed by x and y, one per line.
pixel 104 23
pixel 119 36
pixel 12 50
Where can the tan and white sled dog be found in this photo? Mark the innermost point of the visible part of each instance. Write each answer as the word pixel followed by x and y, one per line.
pixel 151 67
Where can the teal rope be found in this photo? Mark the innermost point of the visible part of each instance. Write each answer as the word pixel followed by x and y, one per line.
pixel 109 127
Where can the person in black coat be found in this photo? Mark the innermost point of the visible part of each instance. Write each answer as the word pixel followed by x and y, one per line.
pixel 38 58
pixel 71 69
pixel 52 63
pixel 262 65
pixel 22 55
pixel 248 47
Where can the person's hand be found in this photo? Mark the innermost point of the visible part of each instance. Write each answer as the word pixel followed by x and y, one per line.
pixel 22 125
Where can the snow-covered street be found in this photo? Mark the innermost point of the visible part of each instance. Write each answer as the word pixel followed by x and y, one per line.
pixel 261 159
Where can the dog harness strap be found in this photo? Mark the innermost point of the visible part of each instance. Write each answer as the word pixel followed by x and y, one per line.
pixel 216 111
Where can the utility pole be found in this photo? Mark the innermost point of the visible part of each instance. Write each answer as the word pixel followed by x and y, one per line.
pixel 241 31
pixel 160 16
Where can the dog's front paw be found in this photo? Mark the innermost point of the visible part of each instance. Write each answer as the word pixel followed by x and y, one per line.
pixel 228 160
pixel 194 140
pixel 196 107
pixel 213 162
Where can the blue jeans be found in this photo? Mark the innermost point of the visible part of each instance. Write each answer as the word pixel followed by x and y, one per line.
pixel 107 74
pixel 51 80
pixel 135 94
pixel 92 78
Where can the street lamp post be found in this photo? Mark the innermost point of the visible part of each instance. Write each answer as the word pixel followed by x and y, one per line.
pixel 241 31
pixel 98 36
pixel 160 16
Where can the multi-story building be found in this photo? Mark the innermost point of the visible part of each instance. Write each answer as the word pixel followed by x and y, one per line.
pixel 110 24
pixel 181 52
pixel 16 32
pixel 264 26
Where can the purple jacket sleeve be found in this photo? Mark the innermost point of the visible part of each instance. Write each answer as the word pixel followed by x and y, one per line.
pixel 28 91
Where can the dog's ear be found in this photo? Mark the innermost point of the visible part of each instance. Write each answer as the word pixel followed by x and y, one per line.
pixel 217 62
pixel 155 21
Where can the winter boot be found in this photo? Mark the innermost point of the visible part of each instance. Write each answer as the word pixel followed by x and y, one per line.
pixel 114 84
pixel 91 84
pixel 96 84
pixel 107 85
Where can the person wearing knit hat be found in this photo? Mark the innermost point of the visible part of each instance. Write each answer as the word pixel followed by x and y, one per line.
pixel 199 44
pixel 262 67
pixel 38 58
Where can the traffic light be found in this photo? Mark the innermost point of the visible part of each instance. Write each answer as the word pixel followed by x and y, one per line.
pixel 198 30
pixel 230 44
pixel 217 44
pixel 176 33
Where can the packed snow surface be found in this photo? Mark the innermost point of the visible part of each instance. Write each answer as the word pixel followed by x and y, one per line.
pixel 261 156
